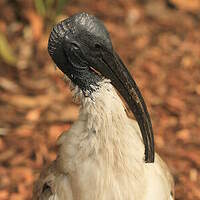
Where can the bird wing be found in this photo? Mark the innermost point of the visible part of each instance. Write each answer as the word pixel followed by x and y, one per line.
pixel 52 185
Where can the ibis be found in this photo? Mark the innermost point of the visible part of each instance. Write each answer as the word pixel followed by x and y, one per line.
pixel 105 155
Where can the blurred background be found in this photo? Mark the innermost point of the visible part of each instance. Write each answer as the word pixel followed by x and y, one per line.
pixel 159 40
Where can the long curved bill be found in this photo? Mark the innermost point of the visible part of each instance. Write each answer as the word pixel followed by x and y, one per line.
pixel 115 70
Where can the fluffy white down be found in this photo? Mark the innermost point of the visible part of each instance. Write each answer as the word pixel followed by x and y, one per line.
pixel 102 156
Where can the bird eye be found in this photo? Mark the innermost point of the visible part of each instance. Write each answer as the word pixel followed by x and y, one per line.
pixel 97 46
pixel 75 46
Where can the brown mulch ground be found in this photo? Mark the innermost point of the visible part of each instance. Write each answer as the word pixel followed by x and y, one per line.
pixel 158 40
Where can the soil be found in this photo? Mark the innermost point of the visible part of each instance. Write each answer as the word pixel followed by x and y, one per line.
pixel 159 41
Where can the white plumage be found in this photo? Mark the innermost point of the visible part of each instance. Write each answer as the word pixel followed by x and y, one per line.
pixel 102 157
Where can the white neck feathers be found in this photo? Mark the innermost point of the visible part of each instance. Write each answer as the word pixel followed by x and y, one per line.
pixel 105 136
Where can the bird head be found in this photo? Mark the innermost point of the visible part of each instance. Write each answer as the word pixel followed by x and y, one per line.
pixel 82 49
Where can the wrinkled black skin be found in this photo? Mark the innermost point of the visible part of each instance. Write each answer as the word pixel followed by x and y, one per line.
pixel 85 45
pixel 77 47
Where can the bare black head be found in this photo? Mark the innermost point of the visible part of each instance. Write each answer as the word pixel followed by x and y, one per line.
pixel 74 45
pixel 81 47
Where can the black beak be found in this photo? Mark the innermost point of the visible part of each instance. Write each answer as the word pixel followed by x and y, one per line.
pixel 113 68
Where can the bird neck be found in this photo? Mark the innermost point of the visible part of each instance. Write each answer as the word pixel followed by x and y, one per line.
pixel 103 144
pixel 108 126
